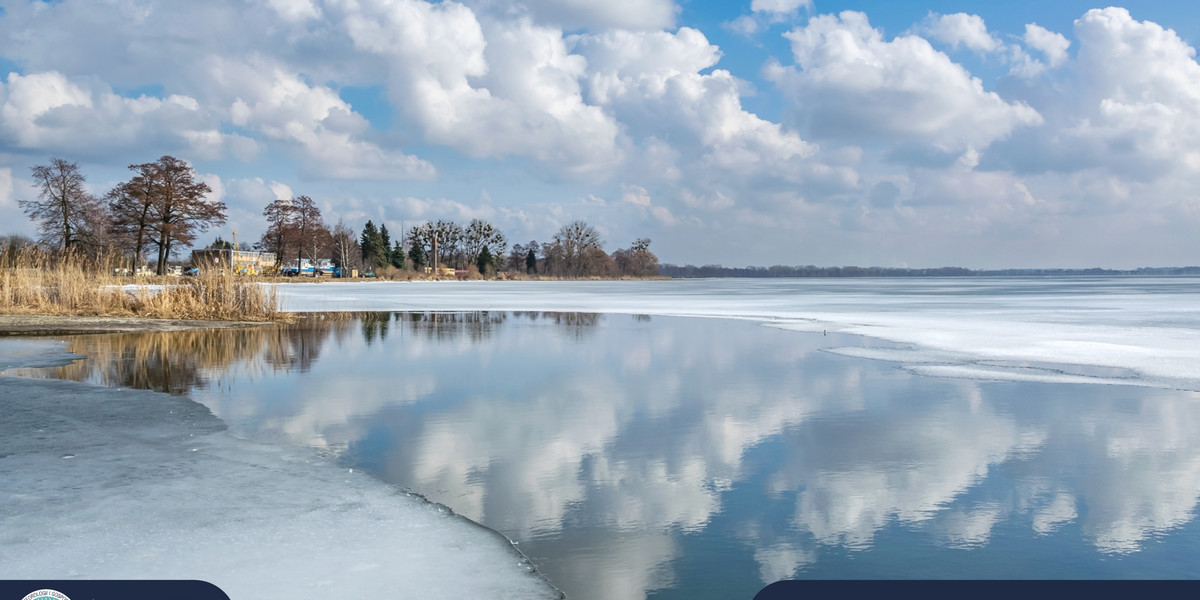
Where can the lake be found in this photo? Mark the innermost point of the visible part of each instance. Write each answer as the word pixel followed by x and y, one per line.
pixel 637 449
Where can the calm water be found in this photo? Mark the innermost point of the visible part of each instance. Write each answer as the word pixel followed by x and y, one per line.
pixel 671 457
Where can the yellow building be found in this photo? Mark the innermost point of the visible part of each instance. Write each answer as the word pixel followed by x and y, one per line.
pixel 441 271
pixel 239 261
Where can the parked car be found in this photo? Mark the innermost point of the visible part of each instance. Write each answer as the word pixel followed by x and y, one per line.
pixel 306 267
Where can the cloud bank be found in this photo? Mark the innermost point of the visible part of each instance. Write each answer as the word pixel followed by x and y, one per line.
pixel 946 143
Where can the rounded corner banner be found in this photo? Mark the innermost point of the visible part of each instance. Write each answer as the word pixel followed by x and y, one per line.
pixel 108 589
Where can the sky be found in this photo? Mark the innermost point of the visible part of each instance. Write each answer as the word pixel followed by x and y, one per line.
pixel 796 132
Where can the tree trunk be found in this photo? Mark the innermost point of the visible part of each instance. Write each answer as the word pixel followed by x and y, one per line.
pixel 162 261
pixel 140 245
pixel 166 255
pixel 66 222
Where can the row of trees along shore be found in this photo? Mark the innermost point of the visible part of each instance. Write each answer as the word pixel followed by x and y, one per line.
pixel 296 230
pixel 163 207
pixel 160 209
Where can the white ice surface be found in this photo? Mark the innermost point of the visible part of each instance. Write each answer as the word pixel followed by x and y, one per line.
pixel 116 483
pixel 1133 331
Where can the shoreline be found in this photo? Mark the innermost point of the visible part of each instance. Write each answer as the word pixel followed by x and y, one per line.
pixel 55 325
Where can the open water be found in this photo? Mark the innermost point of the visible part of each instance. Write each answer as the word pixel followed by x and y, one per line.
pixel 869 429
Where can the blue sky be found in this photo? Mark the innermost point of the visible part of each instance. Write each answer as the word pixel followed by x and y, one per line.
pixel 980 134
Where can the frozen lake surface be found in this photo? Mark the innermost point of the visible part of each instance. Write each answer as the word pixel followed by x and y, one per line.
pixel 1139 331
pixel 631 452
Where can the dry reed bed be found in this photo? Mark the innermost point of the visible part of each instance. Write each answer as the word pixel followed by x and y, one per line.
pixel 35 282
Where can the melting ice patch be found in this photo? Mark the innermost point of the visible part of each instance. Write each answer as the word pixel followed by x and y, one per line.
pixel 32 353
pixel 1133 331
pixel 115 484
pixel 936 363
pixel 1033 347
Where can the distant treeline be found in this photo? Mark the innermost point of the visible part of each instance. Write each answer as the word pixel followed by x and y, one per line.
pixel 692 271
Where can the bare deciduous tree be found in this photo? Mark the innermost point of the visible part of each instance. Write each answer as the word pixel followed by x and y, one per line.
pixel 346 250
pixel 478 235
pixel 637 260
pixel 552 260
pixel 129 207
pixel 66 214
pixel 312 237
pixel 516 258
pixel 295 227
pixel 180 209
pixel 449 237
pixel 579 246
pixel 280 219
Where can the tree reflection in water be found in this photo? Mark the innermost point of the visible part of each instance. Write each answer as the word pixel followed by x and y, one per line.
pixel 176 362
pixel 375 325
pixel 474 326
pixel 576 326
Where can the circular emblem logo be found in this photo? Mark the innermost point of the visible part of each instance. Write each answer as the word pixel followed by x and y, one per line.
pixel 46 595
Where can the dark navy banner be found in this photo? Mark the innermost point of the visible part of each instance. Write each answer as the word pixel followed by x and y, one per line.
pixel 979 590
pixel 107 589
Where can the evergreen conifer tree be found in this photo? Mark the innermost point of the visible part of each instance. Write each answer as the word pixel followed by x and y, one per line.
pixel 397 256
pixel 368 243
pixel 531 261
pixel 417 256
pixel 484 261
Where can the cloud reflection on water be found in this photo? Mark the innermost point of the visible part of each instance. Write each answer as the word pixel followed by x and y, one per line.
pixel 600 440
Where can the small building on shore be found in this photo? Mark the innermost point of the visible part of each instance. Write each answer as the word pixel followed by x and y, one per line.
pixel 239 261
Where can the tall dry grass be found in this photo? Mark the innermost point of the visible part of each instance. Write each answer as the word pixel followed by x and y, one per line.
pixel 36 282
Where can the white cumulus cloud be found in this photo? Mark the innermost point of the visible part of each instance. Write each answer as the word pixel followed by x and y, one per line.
pixel 295 10
pixel 635 195
pixel 1051 44
pixel 653 84
pixel 489 89
pixel 1129 105
pixel 849 82
pixel 6 187
pixel 779 6
pixel 604 14
pixel 961 29
pixel 49 111
pixel 327 131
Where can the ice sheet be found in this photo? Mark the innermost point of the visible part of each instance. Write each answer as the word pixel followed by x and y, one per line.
pixel 16 353
pixel 1021 327
pixel 116 483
